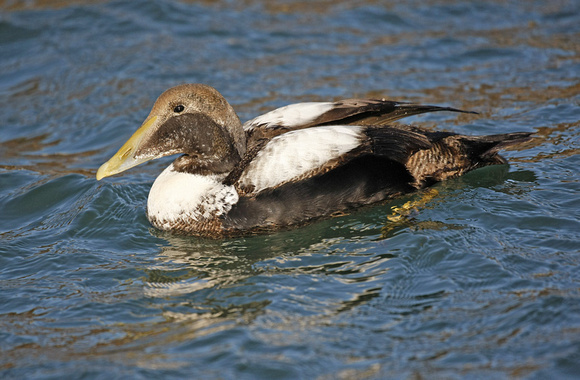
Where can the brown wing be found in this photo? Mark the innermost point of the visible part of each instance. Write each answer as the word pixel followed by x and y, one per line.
pixel 375 112
pixel 343 112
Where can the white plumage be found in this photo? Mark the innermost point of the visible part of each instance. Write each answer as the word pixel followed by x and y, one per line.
pixel 178 196
pixel 290 116
pixel 296 153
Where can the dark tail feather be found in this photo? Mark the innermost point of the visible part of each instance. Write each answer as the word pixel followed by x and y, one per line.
pixel 487 147
pixel 455 155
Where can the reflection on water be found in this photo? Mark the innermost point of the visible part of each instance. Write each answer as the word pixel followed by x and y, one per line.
pixel 476 279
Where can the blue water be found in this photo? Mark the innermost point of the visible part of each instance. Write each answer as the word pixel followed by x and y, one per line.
pixel 480 279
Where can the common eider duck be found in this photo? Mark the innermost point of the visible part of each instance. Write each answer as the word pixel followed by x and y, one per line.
pixel 289 166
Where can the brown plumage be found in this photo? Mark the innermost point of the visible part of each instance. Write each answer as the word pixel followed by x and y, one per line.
pixel 292 165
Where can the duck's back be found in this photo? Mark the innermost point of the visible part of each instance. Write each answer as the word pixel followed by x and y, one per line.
pixel 385 163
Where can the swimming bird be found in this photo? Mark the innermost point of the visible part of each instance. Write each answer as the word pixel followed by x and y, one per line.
pixel 292 165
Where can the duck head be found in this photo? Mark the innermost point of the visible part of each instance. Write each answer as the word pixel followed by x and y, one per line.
pixel 194 120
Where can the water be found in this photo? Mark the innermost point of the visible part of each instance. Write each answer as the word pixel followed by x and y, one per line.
pixel 481 280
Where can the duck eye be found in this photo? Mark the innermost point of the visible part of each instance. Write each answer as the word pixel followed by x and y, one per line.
pixel 178 109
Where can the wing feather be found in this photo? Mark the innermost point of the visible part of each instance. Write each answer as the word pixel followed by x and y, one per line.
pixel 343 112
pixel 305 153
pixel 291 155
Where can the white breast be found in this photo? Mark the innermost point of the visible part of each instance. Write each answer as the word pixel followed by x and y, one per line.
pixel 177 196
pixel 296 153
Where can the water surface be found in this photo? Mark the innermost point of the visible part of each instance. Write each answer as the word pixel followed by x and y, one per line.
pixel 480 280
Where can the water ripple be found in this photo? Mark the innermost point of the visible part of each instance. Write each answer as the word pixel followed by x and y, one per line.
pixel 476 279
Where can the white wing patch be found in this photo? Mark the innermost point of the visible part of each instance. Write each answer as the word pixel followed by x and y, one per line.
pixel 291 116
pixel 296 153
pixel 177 196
